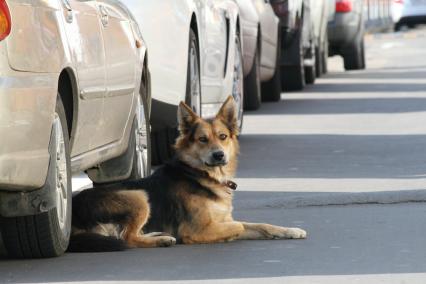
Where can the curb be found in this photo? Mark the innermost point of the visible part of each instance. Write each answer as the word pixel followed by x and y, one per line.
pixel 258 200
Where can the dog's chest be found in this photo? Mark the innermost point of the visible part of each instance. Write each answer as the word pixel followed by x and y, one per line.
pixel 220 211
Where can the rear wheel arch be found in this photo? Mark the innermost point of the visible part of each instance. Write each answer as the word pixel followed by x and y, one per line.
pixel 194 28
pixel 259 38
pixel 194 25
pixel 146 81
pixel 67 90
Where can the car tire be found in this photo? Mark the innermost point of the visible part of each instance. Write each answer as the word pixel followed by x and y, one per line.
pixel 293 76
pixel 135 162
pixel 238 82
pixel 252 85
pixel 162 141
pixel 318 62
pixel 324 56
pixel 271 90
pixel 354 56
pixel 46 234
pixel 310 70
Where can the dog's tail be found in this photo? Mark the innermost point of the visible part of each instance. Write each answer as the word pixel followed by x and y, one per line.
pixel 90 242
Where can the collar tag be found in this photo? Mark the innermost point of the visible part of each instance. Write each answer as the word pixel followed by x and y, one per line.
pixel 232 185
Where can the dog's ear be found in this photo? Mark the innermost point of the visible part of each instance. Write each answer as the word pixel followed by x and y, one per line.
pixel 228 114
pixel 186 117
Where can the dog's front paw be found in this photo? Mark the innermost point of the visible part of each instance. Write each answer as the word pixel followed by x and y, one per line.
pixel 166 241
pixel 295 233
pixel 286 233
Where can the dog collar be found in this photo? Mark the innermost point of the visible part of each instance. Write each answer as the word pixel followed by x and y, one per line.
pixel 195 173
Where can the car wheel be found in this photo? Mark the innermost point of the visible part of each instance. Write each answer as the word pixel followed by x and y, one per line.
pixel 142 158
pixel 193 83
pixel 252 90
pixel 354 56
pixel 46 234
pixel 163 140
pixel 238 82
pixel 271 90
pixel 324 56
pixel 318 62
pixel 293 76
pixel 135 162
pixel 310 69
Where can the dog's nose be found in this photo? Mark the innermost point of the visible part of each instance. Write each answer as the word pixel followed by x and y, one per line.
pixel 218 155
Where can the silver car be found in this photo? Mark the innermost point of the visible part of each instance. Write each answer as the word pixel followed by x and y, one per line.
pixel 260 49
pixel 74 95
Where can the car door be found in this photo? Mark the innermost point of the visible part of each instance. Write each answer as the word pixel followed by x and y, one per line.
pixel 82 25
pixel 121 59
pixel 215 42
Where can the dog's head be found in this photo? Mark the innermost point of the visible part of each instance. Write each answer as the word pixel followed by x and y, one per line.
pixel 209 144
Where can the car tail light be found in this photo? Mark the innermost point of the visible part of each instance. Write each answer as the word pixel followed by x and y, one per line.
pixel 280 7
pixel 398 1
pixel 5 23
pixel 344 6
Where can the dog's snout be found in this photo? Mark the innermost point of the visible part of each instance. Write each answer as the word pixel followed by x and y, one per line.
pixel 218 155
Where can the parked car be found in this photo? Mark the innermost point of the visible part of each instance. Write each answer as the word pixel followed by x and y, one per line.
pixel 74 91
pixel 195 56
pixel 297 55
pixel 408 12
pixel 260 50
pixel 346 33
pixel 320 11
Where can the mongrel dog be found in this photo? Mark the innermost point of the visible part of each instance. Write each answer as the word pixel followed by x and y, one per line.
pixel 189 199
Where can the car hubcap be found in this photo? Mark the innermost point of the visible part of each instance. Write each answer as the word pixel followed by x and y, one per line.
pixel 141 140
pixel 194 78
pixel 61 174
pixel 237 88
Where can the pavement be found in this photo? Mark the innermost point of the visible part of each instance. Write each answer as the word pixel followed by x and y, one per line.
pixel 343 159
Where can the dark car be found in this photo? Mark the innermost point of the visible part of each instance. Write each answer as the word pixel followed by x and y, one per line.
pixel 346 33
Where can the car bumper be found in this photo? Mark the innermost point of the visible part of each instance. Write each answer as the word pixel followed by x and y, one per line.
pixel 344 29
pixel 27 104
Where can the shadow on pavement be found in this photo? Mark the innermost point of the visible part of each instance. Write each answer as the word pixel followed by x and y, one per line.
pixel 312 106
pixel 367 88
pixel 382 73
pixel 333 248
pixel 332 156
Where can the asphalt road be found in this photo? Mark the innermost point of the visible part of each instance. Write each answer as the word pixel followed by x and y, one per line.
pixel 345 160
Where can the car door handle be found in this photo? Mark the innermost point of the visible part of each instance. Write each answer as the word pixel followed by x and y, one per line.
pixel 68 8
pixel 104 15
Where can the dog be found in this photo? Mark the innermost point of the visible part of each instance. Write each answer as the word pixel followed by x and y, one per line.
pixel 188 200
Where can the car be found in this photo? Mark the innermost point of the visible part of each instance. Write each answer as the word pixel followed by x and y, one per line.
pixel 195 56
pixel 297 54
pixel 408 12
pixel 74 91
pixel 346 33
pixel 321 11
pixel 260 50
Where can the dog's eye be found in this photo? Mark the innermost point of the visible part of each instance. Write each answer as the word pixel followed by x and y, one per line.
pixel 203 139
pixel 223 136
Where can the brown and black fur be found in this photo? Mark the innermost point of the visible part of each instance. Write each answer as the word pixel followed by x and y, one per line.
pixel 188 199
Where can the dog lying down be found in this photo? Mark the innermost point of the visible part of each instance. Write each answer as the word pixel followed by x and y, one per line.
pixel 188 200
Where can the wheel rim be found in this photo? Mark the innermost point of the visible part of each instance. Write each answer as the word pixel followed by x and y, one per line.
pixel 61 174
pixel 237 87
pixel 141 140
pixel 194 80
